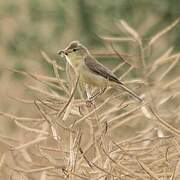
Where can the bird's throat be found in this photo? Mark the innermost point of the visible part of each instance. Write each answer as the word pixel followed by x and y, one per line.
pixel 74 60
pixel 69 60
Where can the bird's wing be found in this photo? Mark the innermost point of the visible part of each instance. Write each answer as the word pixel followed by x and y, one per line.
pixel 100 70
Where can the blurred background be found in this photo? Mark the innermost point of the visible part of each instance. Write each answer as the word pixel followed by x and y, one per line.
pixel 29 26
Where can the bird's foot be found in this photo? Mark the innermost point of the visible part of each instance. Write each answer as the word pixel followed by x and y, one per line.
pixel 90 101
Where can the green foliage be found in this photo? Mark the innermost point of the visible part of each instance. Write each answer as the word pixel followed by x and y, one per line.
pixel 20 67
pixel 35 9
pixel 43 24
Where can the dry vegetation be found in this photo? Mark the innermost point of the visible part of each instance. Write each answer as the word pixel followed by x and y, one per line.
pixel 114 138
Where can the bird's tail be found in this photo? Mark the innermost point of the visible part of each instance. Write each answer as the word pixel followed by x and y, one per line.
pixel 131 93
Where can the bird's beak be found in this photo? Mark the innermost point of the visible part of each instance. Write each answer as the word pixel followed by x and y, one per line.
pixel 62 52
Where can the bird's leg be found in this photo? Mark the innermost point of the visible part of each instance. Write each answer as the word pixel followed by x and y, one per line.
pixel 98 93
pixel 89 100
pixel 88 93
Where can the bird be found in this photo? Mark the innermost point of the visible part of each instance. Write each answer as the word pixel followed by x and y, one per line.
pixel 90 70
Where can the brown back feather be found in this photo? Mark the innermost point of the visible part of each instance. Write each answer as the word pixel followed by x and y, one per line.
pixel 97 68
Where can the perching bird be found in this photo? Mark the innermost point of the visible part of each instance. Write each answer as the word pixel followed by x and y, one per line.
pixel 91 71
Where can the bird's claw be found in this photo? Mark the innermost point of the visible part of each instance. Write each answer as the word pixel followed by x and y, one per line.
pixel 90 101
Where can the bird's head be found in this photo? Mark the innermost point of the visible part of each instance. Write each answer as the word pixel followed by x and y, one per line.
pixel 74 50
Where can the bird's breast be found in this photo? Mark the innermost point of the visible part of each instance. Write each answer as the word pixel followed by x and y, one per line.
pixel 74 61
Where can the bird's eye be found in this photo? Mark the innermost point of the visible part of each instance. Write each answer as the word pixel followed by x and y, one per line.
pixel 74 50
